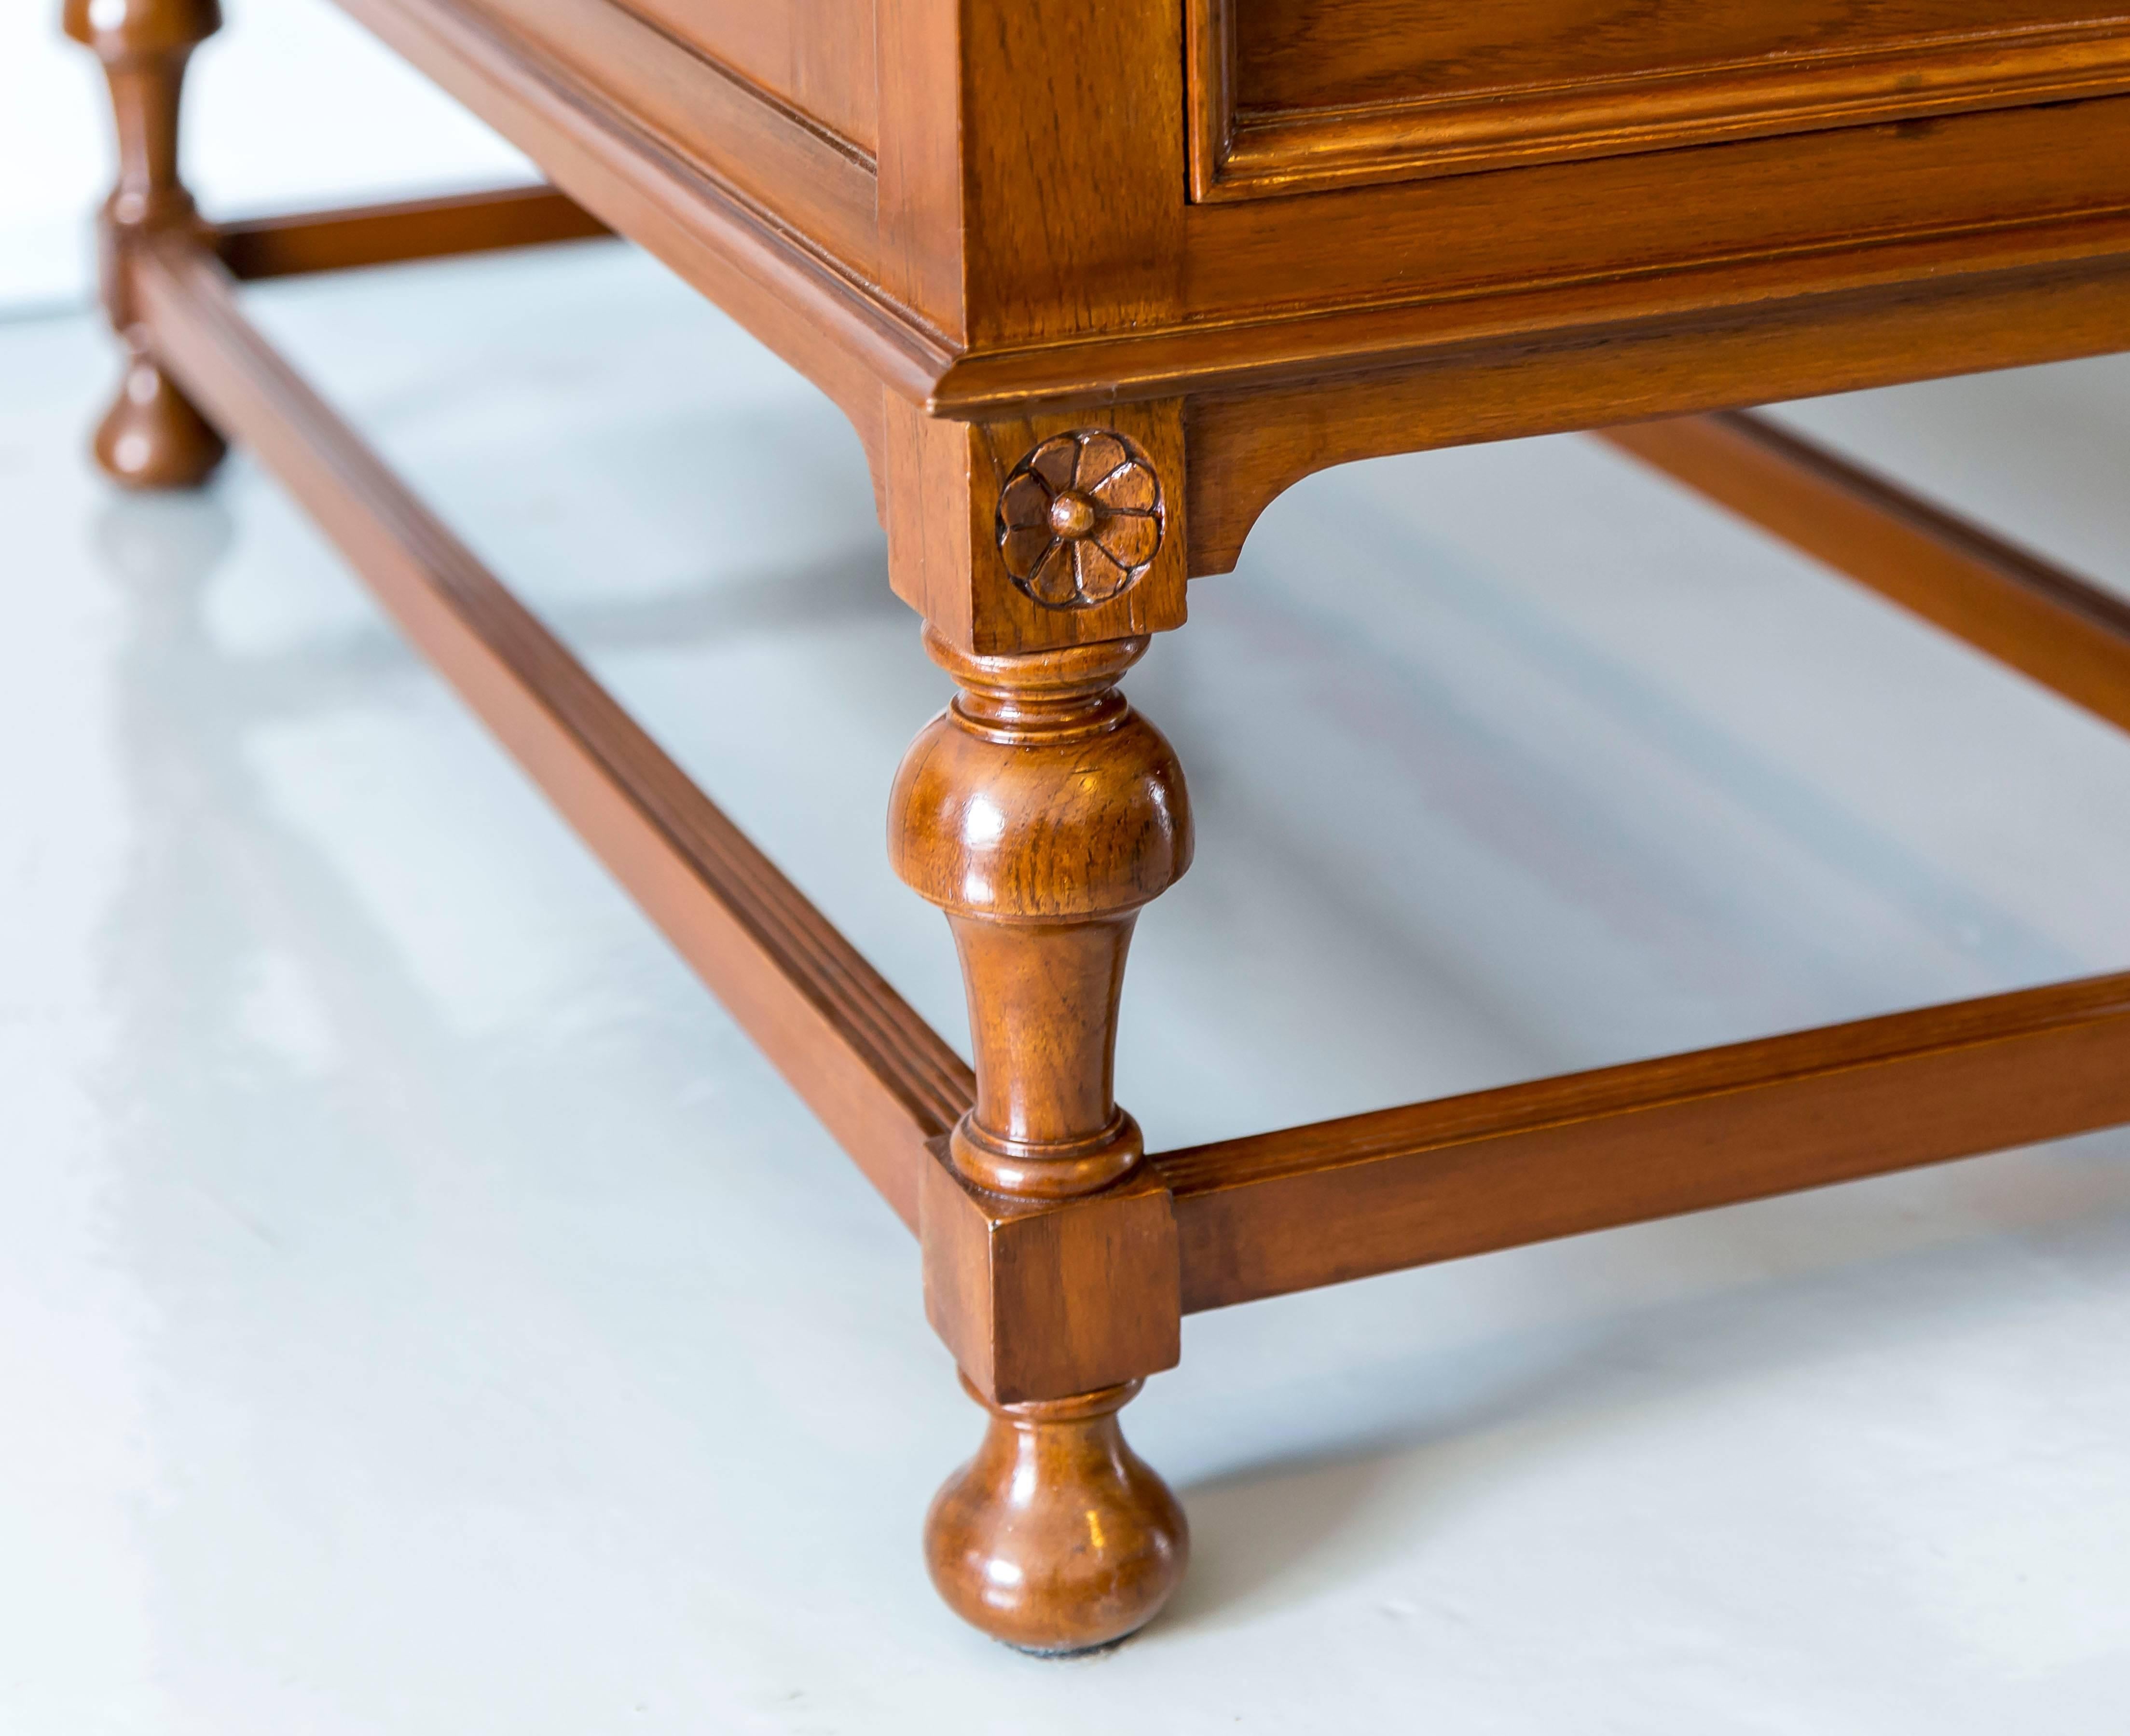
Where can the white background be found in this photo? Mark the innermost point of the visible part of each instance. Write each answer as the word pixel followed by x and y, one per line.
pixel 291 104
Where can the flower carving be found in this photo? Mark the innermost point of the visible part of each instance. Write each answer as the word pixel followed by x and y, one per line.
pixel 1080 518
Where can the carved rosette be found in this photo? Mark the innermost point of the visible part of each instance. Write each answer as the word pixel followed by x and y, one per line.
pixel 1080 519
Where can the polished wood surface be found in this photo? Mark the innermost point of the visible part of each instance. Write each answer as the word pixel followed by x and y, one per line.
pixel 959 553
pixel 1247 447
pixel 291 244
pixel 1342 1199
pixel 152 436
pixel 1093 284
pixel 1021 242
pixel 1057 1538
pixel 1038 1297
pixel 718 124
pixel 669 192
pixel 2065 632
pixel 874 1072
pixel 1041 814
pixel 1291 95
pixel 814 56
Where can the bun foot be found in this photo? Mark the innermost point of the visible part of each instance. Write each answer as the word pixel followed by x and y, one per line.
pixel 1057 1537
pixel 152 437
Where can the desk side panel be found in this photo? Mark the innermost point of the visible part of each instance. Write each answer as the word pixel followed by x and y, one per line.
pixel 816 56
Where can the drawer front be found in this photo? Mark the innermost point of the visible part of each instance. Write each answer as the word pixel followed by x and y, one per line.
pixel 1291 95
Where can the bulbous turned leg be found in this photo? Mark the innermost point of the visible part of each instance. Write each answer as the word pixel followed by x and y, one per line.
pixel 1057 1538
pixel 1042 813
pixel 152 436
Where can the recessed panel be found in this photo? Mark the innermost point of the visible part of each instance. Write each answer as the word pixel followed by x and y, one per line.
pixel 815 55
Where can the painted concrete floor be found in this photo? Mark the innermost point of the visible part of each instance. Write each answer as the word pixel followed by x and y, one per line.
pixel 420 1311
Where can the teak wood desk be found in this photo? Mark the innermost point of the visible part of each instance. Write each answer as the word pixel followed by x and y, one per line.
pixel 1095 282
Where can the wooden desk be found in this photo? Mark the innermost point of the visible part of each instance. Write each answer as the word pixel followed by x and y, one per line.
pixel 1094 284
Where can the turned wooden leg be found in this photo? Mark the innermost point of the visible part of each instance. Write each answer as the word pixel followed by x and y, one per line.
pixel 1041 813
pixel 1056 1536
pixel 152 437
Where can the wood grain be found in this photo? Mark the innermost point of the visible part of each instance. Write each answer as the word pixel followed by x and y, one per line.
pixel 1041 814
pixel 1342 1199
pixel 1296 53
pixel 946 559
pixel 835 328
pixel 819 183
pixel 815 55
pixel 1044 1298
pixel 297 243
pixel 1057 1538
pixel 1297 95
pixel 1036 250
pixel 972 224
pixel 1248 445
pixel 879 1079
pixel 2066 633
pixel 1032 172
pixel 1830 200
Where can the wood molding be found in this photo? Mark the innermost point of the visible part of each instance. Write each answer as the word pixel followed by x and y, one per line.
pixel 1240 152
pixel 814 57
pixel 1248 446
pixel 1372 1193
pixel 1342 1199
pixel 294 244
pixel 2062 631
pixel 821 183
pixel 850 336
pixel 833 325
pixel 883 1082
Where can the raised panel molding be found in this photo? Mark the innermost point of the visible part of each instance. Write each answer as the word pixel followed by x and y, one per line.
pixel 1450 118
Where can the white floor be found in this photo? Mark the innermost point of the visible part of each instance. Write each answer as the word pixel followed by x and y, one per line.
pixel 291 105
pixel 420 1311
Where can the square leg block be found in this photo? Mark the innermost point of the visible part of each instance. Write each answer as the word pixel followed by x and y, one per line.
pixel 1041 1300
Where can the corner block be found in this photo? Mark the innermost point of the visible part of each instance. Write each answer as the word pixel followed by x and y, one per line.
pixel 1044 1299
